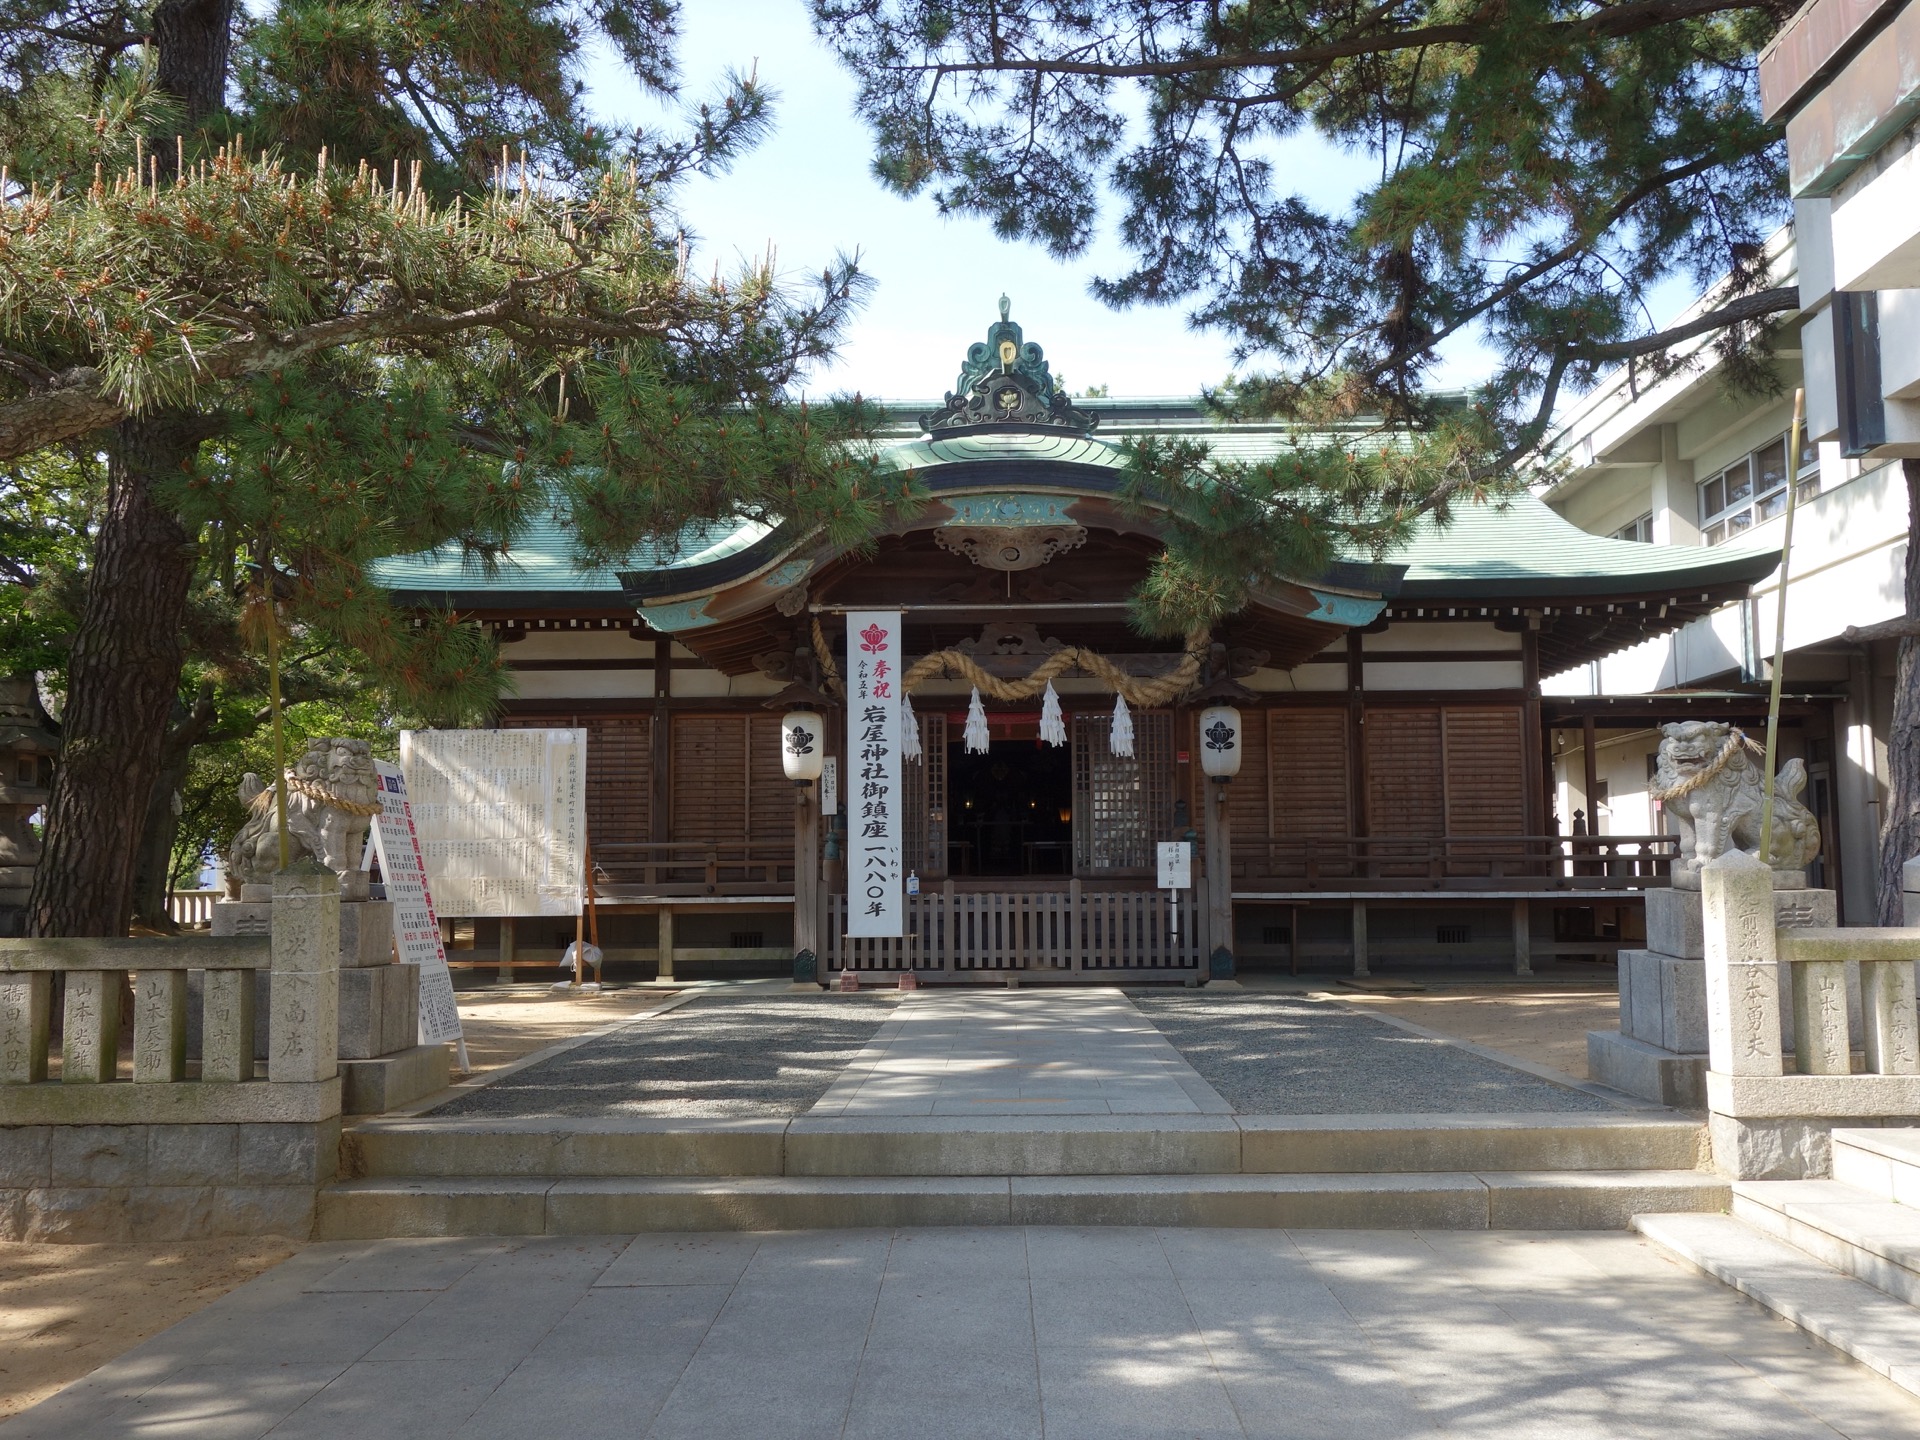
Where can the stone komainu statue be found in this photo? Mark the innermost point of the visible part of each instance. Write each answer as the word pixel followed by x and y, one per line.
pixel 1709 778
pixel 332 795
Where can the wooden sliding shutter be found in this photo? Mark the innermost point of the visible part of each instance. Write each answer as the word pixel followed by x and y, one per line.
pixel 710 763
pixel 1311 794
pixel 1405 786
pixel 1486 784
pixel 728 784
pixel 770 798
pixel 619 772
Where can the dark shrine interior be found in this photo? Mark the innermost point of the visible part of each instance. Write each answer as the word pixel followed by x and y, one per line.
pixel 1010 811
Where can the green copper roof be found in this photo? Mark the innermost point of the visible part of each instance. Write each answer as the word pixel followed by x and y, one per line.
pixel 930 454
pixel 542 561
pixel 1523 547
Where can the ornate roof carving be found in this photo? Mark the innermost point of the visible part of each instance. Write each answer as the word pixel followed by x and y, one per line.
pixel 1005 384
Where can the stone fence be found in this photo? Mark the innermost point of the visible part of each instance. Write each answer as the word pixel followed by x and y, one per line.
pixel 152 1150
pixel 1855 1055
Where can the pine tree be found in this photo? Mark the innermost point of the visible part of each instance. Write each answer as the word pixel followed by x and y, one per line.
pixel 331 281
pixel 1528 174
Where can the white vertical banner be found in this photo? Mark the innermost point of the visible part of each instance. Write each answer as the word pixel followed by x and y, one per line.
pixel 416 929
pixel 874 848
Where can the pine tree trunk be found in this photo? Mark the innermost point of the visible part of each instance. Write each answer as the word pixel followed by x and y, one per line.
pixel 1900 828
pixel 123 677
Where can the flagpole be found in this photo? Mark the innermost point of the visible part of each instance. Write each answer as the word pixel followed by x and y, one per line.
pixel 1780 627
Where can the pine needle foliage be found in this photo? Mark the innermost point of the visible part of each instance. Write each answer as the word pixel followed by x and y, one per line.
pixel 1523 177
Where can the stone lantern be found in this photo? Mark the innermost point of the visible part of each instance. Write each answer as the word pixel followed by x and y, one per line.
pixel 27 749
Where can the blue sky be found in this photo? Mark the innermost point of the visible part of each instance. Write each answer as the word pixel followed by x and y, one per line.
pixel 810 190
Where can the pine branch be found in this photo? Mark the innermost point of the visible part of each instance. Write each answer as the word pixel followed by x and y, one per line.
pixel 1608 22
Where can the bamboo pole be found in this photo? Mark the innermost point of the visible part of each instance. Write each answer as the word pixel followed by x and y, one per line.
pixel 1780 627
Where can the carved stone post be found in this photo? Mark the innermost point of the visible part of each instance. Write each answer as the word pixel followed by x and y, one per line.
pixel 226 1034
pixel 1743 985
pixel 90 1026
pixel 303 1033
pixel 26 1015
pixel 159 1027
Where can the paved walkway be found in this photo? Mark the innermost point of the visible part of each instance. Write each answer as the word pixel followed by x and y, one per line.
pixel 1001 1333
pixel 1064 1052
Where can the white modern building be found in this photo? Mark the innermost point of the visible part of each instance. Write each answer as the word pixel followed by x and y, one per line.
pixel 1682 461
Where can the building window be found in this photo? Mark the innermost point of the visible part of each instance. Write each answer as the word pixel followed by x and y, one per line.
pixel 1640 530
pixel 1753 490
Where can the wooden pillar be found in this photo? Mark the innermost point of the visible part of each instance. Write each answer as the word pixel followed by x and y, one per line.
pixel 1360 938
pixel 1523 937
pixel 806 874
pixel 660 758
pixel 1219 878
pixel 665 971
pixel 1590 755
pixel 505 973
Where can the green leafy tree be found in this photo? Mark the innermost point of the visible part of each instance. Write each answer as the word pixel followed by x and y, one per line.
pixel 323 282
pixel 1527 174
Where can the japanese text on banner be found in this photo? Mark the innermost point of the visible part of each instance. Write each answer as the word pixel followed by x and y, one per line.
pixel 875 867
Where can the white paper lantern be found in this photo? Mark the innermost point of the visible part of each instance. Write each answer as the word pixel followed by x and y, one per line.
pixel 803 750
pixel 1220 742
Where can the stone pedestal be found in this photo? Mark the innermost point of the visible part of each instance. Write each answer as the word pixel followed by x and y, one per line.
pixel 1660 1050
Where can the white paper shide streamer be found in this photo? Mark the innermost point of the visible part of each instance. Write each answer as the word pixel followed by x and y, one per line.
pixel 1053 727
pixel 1120 739
pixel 909 729
pixel 976 732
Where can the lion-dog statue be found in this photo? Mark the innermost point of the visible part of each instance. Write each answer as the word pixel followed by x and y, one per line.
pixel 332 795
pixel 1709 778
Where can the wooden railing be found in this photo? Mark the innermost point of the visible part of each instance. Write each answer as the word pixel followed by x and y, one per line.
pixel 1449 862
pixel 631 870
pixel 957 934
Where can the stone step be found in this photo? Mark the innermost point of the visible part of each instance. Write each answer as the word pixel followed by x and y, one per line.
pixel 1841 1225
pixel 1885 1163
pixel 532 1205
pixel 1876 1329
pixel 1022 1145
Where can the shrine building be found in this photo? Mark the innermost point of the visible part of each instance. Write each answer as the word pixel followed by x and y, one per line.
pixel 1392 800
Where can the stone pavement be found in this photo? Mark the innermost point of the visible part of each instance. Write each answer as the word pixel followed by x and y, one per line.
pixel 995 1333
pixel 1062 1052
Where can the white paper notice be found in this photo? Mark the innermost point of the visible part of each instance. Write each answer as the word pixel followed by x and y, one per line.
pixel 416 929
pixel 501 817
pixel 874 854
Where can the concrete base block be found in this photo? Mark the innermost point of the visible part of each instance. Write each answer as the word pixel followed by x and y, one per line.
pixel 1674 925
pixel 370 1210
pixel 1648 1071
pixel 366 933
pixel 567 1147
pixel 379 1010
pixel 386 1082
pixel 146 1214
pixel 243 917
pixel 1778 1148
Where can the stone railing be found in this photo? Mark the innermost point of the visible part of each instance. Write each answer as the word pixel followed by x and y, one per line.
pixel 1855 1028
pixel 159 1148
pixel 193 907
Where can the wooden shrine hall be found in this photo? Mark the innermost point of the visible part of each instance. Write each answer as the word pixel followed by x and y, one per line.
pixel 1391 800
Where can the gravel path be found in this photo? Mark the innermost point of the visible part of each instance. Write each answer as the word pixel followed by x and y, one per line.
pixel 1273 1055
pixel 715 1056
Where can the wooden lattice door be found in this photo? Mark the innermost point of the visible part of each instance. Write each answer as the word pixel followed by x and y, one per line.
pixel 1122 805
pixel 925 783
